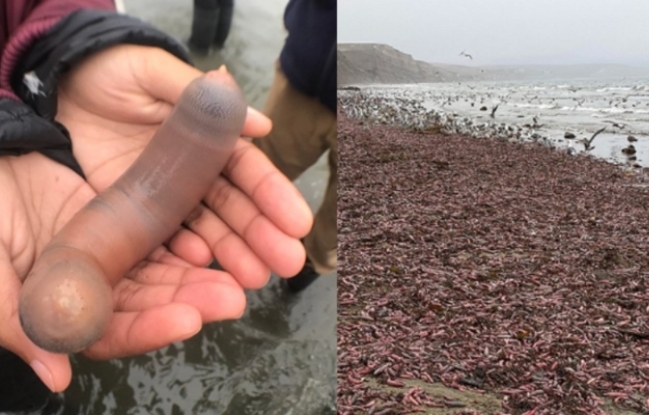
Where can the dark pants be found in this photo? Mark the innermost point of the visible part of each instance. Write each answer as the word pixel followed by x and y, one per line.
pixel 211 23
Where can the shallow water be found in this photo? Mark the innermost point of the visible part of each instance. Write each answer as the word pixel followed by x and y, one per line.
pixel 280 357
pixel 270 362
pixel 577 106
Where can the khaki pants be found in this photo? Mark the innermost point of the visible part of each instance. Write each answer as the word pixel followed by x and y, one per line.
pixel 303 130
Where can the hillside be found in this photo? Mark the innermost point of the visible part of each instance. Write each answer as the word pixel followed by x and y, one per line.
pixel 372 63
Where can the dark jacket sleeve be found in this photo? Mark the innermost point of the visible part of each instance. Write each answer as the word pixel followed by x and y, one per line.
pixel 308 57
pixel 33 63
pixel 22 131
pixel 24 21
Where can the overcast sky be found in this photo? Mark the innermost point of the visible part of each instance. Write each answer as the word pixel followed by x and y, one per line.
pixel 503 31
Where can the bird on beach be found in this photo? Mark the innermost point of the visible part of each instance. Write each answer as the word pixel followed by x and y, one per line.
pixel 615 124
pixel 629 151
pixel 463 53
pixel 536 124
pixel 571 150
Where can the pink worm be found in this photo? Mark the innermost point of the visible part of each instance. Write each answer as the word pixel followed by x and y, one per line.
pixel 66 301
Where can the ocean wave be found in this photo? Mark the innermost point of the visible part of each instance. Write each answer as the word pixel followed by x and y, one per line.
pixel 539 106
pixel 612 110
pixel 614 88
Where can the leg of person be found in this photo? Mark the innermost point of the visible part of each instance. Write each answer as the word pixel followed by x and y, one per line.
pixel 300 128
pixel 303 130
pixel 321 242
pixel 225 22
pixel 204 25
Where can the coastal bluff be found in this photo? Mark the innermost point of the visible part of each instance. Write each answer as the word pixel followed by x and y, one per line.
pixel 375 63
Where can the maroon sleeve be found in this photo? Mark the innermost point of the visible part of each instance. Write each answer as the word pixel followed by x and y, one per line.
pixel 24 21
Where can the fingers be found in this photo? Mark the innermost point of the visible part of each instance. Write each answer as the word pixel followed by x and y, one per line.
pixel 160 304
pixel 134 333
pixel 256 125
pixel 162 255
pixel 53 369
pixel 257 222
pixel 215 294
pixel 165 77
pixel 230 250
pixel 191 248
pixel 279 200
pixel 282 253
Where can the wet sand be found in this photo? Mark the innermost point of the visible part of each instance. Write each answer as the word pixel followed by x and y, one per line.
pixel 510 270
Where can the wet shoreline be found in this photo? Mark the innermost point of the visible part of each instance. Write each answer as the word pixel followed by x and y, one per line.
pixel 559 113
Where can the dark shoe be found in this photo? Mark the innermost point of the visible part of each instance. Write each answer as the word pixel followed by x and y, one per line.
pixel 204 26
pixel 20 388
pixel 303 279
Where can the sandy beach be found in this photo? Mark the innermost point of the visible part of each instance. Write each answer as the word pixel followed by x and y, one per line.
pixel 482 276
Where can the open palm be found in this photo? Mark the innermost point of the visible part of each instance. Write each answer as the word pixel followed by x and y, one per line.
pixel 252 218
pixel 163 300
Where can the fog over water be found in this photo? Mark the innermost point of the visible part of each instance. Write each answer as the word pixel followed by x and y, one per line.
pixel 503 31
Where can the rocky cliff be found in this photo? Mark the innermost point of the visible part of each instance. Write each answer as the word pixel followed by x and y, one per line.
pixel 372 63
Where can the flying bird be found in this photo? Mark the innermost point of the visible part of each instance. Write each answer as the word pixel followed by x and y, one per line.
pixel 493 111
pixel 588 143
pixel 463 53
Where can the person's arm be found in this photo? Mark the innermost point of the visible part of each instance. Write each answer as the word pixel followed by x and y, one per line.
pixel 308 56
pixel 46 38
pixel 21 130
pixel 24 21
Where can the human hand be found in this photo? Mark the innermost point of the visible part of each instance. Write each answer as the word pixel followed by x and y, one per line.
pixel 252 218
pixel 163 300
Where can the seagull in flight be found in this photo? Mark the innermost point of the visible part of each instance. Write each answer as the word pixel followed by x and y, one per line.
pixel 588 143
pixel 493 111
pixel 463 53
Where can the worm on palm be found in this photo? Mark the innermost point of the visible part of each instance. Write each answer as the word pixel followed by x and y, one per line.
pixel 66 301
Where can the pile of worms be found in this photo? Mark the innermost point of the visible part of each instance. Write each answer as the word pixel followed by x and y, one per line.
pixel 503 268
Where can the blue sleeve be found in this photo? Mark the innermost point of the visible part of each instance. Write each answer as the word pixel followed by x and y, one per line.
pixel 308 56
